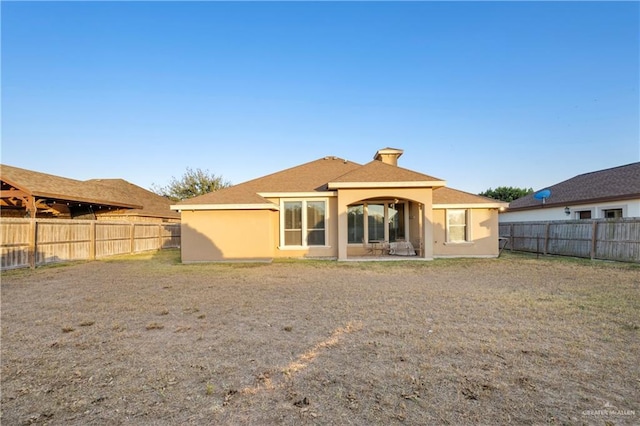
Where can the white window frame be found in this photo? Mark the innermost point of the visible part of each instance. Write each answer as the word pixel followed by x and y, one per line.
pixel 576 213
pixel 603 210
pixel 304 223
pixel 468 238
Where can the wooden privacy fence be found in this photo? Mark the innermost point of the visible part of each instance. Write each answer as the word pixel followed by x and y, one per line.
pixel 33 242
pixel 606 239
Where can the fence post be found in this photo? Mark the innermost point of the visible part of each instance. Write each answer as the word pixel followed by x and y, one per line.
pixel 132 245
pixel 546 237
pixel 594 238
pixel 510 237
pixel 92 240
pixel 33 245
pixel 159 236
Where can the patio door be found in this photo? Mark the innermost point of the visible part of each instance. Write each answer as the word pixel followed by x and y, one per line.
pixel 386 222
pixel 396 222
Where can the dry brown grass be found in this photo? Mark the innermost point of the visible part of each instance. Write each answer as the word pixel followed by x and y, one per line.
pixel 144 340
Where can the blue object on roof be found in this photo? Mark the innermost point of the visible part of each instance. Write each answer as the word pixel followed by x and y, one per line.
pixel 541 195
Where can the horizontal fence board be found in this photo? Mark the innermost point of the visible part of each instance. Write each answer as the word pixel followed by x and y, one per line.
pixel 61 240
pixel 614 239
pixel 112 248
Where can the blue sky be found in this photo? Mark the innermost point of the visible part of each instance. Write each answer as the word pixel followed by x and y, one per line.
pixel 481 94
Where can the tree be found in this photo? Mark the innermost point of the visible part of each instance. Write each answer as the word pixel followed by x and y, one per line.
pixel 193 183
pixel 506 193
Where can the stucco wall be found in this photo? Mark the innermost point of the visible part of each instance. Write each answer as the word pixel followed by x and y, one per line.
pixel 484 235
pixel 228 234
pixel 254 234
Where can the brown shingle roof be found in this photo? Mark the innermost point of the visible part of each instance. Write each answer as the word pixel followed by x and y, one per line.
pixel 108 192
pixel 56 187
pixel 446 195
pixel 153 205
pixel 316 175
pixel 617 183
pixel 308 177
pixel 377 171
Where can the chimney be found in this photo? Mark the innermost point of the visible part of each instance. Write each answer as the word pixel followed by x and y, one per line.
pixel 388 155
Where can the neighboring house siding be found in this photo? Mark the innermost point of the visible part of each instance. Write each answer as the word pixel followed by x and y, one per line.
pixel 630 208
pixel 217 235
pixel 482 231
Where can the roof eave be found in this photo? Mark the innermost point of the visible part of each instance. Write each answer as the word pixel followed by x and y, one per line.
pixel 16 185
pixel 308 194
pixel 265 206
pixel 62 197
pixel 470 206
pixel 406 184
pixel 141 214
pixel 576 202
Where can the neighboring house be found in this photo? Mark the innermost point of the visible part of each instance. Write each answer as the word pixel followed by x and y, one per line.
pixel 155 208
pixel 334 208
pixel 610 193
pixel 26 193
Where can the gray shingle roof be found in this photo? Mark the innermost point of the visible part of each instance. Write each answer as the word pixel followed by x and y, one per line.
pixel 617 183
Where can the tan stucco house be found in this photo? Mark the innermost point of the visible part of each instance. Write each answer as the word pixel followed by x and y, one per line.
pixel 334 208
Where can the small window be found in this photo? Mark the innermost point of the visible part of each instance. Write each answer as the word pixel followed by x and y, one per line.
pixel 612 213
pixel 584 214
pixel 457 226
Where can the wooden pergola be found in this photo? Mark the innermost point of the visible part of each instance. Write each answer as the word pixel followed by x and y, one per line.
pixel 16 197
pixel 12 196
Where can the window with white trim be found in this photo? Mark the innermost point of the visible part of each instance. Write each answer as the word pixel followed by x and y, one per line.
pixel 304 223
pixel 583 214
pixel 612 213
pixel 457 227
